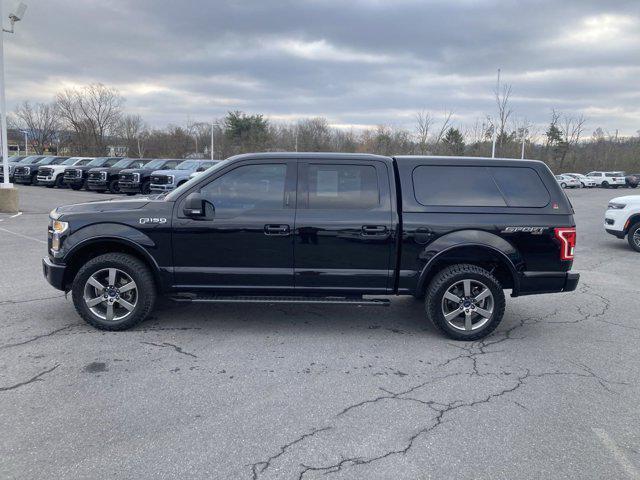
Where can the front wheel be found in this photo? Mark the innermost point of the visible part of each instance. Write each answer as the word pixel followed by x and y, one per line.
pixel 60 181
pixel 563 185
pixel 114 291
pixel 145 189
pixel 465 302
pixel 605 185
pixel 114 186
pixel 633 237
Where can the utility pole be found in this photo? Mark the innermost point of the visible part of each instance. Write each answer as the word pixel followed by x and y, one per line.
pixel 524 131
pixel 211 140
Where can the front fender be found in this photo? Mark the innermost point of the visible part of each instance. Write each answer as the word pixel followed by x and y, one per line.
pixel 504 250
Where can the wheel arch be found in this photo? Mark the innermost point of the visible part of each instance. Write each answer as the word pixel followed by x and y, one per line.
pixel 484 255
pixel 93 247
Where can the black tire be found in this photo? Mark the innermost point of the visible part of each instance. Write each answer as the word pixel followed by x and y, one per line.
pixel 34 181
pixel 604 184
pixel 131 266
pixel 563 185
pixel 114 187
pixel 614 187
pixel 76 187
pixel 448 278
pixel 634 242
pixel 60 181
pixel 145 189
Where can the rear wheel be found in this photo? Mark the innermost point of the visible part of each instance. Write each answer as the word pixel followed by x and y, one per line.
pixel 465 302
pixel 114 291
pixel 114 187
pixel 633 237
pixel 145 189
pixel 60 181
pixel 605 184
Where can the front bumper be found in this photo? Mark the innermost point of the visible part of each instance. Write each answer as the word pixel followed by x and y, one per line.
pixel 162 188
pixel 54 273
pixel 73 181
pixel 616 233
pixel 534 283
pixel 129 187
pixel 46 180
pixel 25 179
pixel 98 185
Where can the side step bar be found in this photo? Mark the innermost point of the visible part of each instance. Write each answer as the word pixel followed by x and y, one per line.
pixel 282 299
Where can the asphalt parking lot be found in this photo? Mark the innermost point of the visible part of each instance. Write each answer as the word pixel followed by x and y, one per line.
pixel 304 392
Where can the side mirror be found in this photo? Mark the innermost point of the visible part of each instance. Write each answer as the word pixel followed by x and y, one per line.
pixel 200 169
pixel 194 206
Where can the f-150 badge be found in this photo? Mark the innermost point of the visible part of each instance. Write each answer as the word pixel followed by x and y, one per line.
pixel 152 220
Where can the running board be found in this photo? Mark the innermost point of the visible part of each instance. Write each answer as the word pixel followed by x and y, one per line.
pixel 281 299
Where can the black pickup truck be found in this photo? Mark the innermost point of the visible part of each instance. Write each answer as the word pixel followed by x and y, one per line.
pixel 138 180
pixel 76 177
pixel 102 179
pixel 324 228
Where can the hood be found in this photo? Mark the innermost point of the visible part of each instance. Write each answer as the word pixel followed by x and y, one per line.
pixel 118 205
pixel 133 170
pixel 172 172
pixel 82 167
pixel 626 199
pixel 106 169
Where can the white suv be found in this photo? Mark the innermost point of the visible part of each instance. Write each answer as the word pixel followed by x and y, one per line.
pixel 622 218
pixel 608 179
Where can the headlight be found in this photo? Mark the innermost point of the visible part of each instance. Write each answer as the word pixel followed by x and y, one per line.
pixel 103 175
pixel 78 173
pixel 27 170
pixel 136 177
pixel 616 206
pixel 170 179
pixel 59 227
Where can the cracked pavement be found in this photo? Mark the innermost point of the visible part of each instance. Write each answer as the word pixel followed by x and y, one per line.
pixel 308 392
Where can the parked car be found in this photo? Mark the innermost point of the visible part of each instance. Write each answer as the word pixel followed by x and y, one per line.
pixel 104 179
pixel 585 182
pixel 27 173
pixel 166 180
pixel 567 181
pixel 12 161
pixel 632 180
pixel 622 219
pixel 608 179
pixel 138 180
pixel 53 175
pixel 76 177
pixel 324 228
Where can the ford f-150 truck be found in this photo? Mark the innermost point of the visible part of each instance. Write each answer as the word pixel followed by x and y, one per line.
pixel 76 177
pixel 138 180
pixel 104 178
pixel 324 228
pixel 53 175
pixel 27 173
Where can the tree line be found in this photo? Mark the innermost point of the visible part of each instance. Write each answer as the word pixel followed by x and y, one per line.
pixel 88 120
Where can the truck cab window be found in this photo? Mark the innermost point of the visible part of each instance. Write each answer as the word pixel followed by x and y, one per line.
pixel 250 187
pixel 332 186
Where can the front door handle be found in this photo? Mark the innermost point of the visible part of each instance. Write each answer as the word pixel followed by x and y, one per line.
pixel 374 230
pixel 281 230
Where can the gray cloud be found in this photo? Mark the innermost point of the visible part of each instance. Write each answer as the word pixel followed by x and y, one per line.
pixel 358 62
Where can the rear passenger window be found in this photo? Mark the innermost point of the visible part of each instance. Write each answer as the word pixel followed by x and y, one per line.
pixel 334 186
pixel 465 186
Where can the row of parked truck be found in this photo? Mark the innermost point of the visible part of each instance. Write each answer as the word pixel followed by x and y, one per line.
pixel 105 174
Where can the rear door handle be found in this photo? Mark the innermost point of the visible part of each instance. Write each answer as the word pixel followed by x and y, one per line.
pixel 374 230
pixel 281 230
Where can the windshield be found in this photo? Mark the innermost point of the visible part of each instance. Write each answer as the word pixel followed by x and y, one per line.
pixel 97 162
pixel 123 163
pixel 46 161
pixel 30 160
pixel 186 186
pixel 70 161
pixel 83 162
pixel 188 165
pixel 155 164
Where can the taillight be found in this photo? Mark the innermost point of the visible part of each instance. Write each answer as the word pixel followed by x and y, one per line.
pixel 567 237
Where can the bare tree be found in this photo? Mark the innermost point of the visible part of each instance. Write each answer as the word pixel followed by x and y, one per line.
pixel 424 122
pixel 504 112
pixel 446 123
pixel 135 133
pixel 41 121
pixel 93 113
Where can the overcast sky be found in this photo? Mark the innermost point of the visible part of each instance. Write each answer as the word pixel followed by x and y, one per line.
pixel 355 62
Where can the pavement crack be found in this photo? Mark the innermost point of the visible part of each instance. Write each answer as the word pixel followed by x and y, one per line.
pixel 171 345
pixel 37 378
pixel 38 337
pixel 259 467
pixel 29 300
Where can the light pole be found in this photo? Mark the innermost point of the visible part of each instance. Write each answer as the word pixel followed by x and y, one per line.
pixel 26 143
pixel 213 125
pixel 9 195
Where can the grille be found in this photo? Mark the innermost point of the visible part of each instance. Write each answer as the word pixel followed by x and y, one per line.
pixel 45 172
pixel 127 177
pixel 72 173
pixel 159 179
pixel 97 175
pixel 22 170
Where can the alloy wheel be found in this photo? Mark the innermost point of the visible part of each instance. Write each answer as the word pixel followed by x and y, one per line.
pixel 111 294
pixel 467 305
